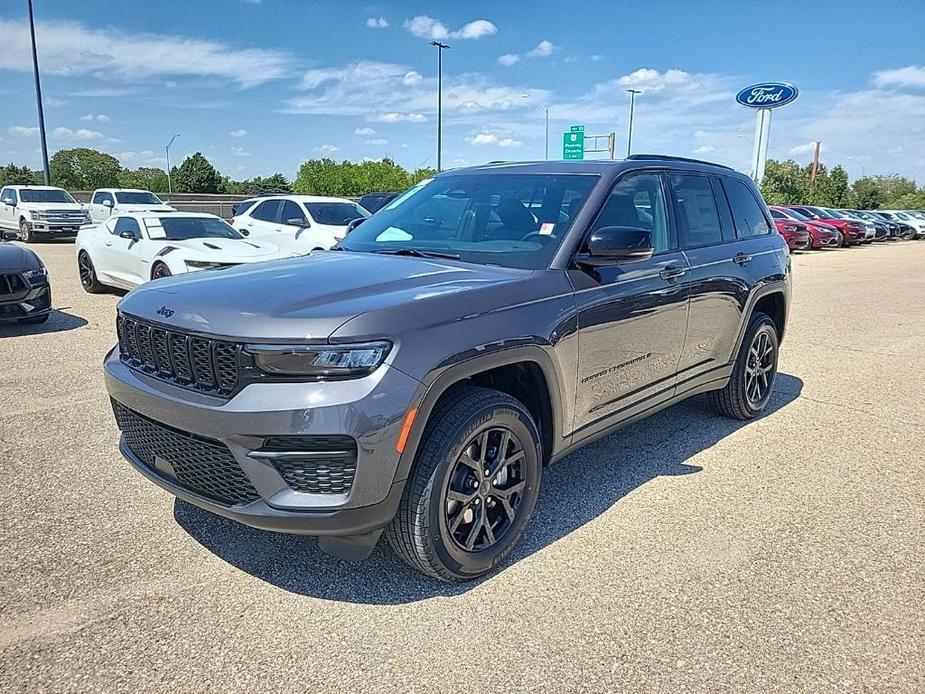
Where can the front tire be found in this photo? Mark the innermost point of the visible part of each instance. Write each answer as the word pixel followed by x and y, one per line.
pixel 160 270
pixel 88 279
pixel 749 389
pixel 473 487
pixel 25 231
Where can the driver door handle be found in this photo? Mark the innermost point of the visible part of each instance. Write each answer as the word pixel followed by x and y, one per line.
pixel 742 259
pixel 672 273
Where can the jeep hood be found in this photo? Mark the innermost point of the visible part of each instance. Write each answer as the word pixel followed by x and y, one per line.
pixel 312 296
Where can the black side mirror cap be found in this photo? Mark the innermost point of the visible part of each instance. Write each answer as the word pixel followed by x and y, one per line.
pixel 354 223
pixel 612 245
pixel 130 235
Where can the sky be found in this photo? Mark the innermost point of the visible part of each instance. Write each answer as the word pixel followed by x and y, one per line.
pixel 259 86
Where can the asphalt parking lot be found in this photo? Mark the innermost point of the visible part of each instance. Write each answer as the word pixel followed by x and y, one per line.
pixel 685 553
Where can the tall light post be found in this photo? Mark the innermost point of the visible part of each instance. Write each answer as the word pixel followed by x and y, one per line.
pixel 545 109
pixel 38 98
pixel 629 135
pixel 440 48
pixel 167 151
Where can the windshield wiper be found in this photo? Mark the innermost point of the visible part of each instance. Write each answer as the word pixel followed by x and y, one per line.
pixel 417 253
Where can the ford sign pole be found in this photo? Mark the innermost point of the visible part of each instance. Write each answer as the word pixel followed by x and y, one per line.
pixel 764 97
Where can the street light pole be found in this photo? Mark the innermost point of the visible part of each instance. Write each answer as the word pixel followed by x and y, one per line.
pixel 38 98
pixel 167 151
pixel 629 136
pixel 440 48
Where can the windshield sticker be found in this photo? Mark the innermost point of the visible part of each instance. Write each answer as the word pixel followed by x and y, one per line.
pixel 155 230
pixel 394 234
pixel 546 228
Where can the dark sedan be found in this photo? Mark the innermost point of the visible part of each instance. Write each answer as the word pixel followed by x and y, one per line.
pixel 25 294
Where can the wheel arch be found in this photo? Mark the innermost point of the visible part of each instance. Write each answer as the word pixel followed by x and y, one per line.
pixel 527 373
pixel 772 298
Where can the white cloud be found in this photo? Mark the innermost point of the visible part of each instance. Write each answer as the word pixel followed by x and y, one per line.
pixel 412 78
pixel 98 117
pixel 238 133
pixel 508 59
pixel 704 149
pixel 543 49
pixel 399 118
pixel 486 139
pixel 144 157
pixel 911 76
pixel 79 135
pixel 327 149
pixel 597 57
pixel 118 54
pixel 805 148
pixel 364 131
pixel 240 152
pixel 23 131
pixel 52 102
pixel 426 27
pixel 378 141
pixel 652 80
pixel 377 23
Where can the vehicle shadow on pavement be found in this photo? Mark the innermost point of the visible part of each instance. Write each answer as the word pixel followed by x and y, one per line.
pixel 58 321
pixel 575 491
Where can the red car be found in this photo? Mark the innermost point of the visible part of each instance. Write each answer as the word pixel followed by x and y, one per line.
pixel 853 232
pixel 820 235
pixel 795 234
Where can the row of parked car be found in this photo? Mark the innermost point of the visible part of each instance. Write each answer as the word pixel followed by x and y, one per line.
pixel 806 227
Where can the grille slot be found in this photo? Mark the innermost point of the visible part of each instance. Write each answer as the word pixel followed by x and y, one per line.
pixel 203 466
pixel 199 363
pixel 11 284
pixel 329 465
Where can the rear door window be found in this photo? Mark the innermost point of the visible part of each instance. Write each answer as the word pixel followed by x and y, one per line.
pixel 266 211
pixel 747 213
pixel 292 214
pixel 696 210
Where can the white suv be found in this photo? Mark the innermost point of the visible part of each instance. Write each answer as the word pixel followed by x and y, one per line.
pixel 36 211
pixel 300 223
pixel 106 201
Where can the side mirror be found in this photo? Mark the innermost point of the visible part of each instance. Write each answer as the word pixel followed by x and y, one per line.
pixel 8 202
pixel 354 223
pixel 245 232
pixel 130 235
pixel 107 203
pixel 612 245
pixel 297 222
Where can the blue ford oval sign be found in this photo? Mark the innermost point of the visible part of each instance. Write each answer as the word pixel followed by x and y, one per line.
pixel 767 95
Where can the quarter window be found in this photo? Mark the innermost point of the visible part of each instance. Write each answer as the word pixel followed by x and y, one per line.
pixel 698 216
pixel 266 211
pixel 637 201
pixel 749 219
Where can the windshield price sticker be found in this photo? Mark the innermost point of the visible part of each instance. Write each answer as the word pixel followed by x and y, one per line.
pixel 546 228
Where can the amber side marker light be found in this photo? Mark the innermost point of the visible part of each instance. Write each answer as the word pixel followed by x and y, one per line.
pixel 405 430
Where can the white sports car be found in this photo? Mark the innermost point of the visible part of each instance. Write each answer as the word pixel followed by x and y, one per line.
pixel 129 249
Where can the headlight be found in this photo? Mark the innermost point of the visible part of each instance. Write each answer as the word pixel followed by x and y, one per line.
pixel 36 275
pixel 336 361
pixel 201 265
pixel 35 214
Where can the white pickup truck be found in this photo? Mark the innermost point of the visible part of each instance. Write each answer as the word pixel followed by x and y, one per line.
pixel 107 201
pixel 32 212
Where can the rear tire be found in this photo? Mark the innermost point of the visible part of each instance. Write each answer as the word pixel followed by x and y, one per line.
pixel 752 382
pixel 87 273
pixel 455 522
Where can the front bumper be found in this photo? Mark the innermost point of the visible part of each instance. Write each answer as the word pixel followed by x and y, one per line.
pixel 69 228
pixel 34 301
pixel 370 410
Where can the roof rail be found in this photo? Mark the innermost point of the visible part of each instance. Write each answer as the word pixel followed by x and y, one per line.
pixel 667 157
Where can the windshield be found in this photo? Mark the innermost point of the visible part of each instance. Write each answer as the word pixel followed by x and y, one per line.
pixel 184 228
pixel 337 214
pixel 514 220
pixel 902 215
pixel 825 214
pixel 45 195
pixel 134 198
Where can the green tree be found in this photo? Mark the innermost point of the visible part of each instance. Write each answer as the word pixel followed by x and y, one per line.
pixel 196 175
pixel 867 193
pixel 84 169
pixel 12 175
pixel 146 178
pixel 327 177
pixel 785 183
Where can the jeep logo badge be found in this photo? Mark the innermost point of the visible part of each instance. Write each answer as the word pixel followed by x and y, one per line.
pixel 164 311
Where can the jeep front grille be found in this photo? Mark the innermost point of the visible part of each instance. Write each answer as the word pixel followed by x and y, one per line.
pixel 198 363
pixel 203 466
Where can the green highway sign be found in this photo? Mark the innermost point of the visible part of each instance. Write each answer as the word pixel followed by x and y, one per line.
pixel 573 143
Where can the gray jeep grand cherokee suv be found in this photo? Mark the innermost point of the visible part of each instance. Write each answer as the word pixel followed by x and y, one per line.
pixel 417 378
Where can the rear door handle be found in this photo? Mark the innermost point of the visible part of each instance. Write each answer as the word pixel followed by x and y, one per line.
pixel 742 259
pixel 672 273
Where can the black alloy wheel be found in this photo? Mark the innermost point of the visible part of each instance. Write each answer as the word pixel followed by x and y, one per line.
pixel 751 384
pixel 87 274
pixel 160 270
pixel 485 489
